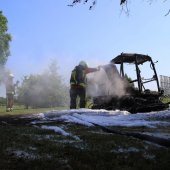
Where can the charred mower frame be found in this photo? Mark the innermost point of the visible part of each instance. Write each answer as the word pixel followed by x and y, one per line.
pixel 138 99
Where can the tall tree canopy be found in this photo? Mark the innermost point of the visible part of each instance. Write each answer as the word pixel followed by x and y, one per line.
pixel 5 38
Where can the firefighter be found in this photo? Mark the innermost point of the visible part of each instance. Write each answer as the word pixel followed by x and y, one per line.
pixel 78 84
pixel 10 91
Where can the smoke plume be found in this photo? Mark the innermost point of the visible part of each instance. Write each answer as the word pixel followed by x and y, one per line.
pixel 106 82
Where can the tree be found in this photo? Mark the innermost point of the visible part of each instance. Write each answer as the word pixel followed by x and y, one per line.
pixel 43 90
pixel 5 38
pixel 93 2
pixel 123 3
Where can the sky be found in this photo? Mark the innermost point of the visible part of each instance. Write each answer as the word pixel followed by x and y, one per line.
pixel 45 30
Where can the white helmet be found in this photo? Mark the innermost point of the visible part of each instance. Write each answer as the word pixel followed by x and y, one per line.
pixel 11 75
pixel 83 63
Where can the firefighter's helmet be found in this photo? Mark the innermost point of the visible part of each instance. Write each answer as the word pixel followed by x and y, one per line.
pixel 83 63
pixel 11 75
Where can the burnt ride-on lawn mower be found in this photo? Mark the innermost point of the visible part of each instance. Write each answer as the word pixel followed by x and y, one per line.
pixel 136 99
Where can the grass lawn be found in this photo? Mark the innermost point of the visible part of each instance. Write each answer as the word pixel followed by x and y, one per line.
pixel 165 99
pixel 26 146
pixel 20 110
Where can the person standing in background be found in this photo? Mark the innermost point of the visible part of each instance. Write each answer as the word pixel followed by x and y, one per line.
pixel 10 91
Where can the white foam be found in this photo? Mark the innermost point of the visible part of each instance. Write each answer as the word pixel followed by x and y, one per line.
pixel 109 118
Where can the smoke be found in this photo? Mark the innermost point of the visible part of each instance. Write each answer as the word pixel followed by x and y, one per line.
pixel 43 90
pixel 3 76
pixel 106 82
pixel 1 73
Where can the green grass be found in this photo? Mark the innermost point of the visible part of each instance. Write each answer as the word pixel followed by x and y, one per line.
pixel 27 146
pixel 165 99
pixel 19 110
